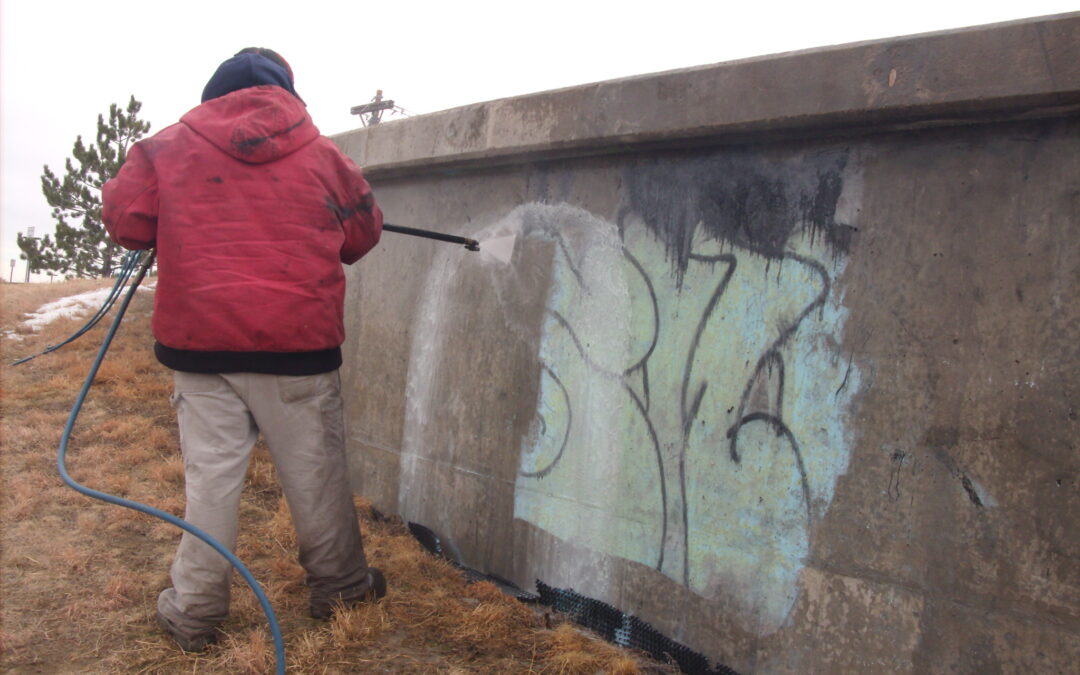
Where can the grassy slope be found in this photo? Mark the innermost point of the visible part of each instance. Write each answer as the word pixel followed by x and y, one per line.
pixel 79 578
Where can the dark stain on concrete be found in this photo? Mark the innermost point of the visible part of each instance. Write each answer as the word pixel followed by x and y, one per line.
pixel 939 440
pixel 970 489
pixel 748 200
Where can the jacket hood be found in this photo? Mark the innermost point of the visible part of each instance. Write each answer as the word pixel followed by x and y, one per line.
pixel 255 124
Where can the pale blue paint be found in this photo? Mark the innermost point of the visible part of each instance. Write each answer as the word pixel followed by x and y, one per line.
pixel 747 527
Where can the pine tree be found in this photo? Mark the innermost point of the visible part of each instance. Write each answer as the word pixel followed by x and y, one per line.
pixel 83 249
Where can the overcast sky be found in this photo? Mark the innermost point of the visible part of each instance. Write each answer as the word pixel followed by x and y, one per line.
pixel 63 62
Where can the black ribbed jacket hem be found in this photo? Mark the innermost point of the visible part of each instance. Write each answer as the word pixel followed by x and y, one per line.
pixel 270 363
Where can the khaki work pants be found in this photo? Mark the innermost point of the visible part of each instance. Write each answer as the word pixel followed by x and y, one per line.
pixel 220 417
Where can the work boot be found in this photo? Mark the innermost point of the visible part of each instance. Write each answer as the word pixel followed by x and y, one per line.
pixel 373 588
pixel 196 643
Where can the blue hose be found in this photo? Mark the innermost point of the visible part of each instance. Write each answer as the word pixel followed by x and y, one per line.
pixel 275 629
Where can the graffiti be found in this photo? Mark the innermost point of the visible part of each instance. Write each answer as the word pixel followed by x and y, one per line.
pixel 693 397
pixel 898 458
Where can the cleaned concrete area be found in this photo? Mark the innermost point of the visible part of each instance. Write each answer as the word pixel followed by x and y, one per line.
pixel 784 362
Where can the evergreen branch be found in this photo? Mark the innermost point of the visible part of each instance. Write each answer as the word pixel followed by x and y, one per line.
pixel 85 250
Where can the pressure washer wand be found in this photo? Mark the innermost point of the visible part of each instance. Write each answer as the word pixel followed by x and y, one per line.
pixel 470 244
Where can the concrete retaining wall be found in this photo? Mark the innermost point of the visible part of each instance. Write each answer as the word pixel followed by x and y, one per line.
pixel 784 362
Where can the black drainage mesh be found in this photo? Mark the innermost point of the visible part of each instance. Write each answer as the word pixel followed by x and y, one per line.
pixel 614 625
pixel 625 630
pixel 430 541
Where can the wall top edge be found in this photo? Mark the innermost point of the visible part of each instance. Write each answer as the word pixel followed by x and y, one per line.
pixel 1017 69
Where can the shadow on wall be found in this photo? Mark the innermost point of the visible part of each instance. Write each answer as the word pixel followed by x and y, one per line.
pixel 693 398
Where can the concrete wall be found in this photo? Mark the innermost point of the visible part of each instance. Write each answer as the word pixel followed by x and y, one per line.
pixel 784 362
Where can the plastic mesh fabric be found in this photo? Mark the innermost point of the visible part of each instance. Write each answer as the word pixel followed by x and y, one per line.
pixel 612 624
pixel 626 630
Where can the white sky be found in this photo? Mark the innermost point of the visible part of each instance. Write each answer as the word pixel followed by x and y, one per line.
pixel 62 62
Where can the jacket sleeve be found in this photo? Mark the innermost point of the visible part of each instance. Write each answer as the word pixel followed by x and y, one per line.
pixel 360 217
pixel 129 202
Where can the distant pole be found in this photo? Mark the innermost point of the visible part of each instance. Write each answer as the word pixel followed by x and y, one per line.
pixel 371 113
pixel 376 115
pixel 29 235
pixel 11 274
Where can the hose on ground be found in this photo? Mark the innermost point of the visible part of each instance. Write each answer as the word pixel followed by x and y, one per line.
pixel 275 629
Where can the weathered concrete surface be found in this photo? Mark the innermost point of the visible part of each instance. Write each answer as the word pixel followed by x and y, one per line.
pixel 787 369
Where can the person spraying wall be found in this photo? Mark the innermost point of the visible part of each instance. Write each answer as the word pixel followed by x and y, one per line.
pixel 252 211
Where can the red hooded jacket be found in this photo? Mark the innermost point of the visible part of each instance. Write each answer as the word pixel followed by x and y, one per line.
pixel 252 212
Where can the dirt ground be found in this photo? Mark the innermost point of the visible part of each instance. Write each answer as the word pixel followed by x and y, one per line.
pixel 79 578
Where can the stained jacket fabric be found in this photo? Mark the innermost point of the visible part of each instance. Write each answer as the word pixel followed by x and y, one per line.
pixel 252 212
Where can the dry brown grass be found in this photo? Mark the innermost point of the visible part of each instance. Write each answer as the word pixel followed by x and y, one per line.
pixel 79 578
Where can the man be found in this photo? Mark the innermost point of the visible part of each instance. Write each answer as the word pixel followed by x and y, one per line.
pixel 252 212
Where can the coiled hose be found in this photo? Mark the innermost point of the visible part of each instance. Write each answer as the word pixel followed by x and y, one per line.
pixel 275 629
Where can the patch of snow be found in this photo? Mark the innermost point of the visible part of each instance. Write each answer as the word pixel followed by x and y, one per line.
pixel 74 306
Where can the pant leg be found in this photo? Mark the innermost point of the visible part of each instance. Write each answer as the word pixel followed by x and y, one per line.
pixel 217 433
pixel 302 421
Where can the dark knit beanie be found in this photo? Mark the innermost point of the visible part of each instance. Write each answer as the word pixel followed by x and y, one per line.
pixel 250 67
